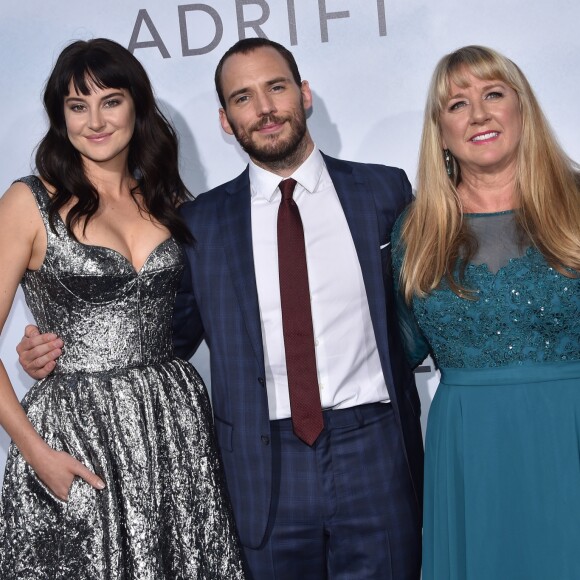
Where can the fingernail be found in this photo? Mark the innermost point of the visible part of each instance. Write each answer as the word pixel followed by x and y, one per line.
pixel 100 484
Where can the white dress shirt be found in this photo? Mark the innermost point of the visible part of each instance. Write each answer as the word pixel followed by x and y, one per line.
pixel 347 360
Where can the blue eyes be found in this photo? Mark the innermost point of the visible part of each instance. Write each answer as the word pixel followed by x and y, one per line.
pixel 457 105
pixel 493 95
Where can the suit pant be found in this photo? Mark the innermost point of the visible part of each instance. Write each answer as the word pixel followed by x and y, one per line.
pixel 343 509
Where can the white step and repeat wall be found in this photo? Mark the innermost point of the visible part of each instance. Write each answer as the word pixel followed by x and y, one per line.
pixel 368 63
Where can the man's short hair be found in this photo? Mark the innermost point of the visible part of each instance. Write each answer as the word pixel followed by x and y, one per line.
pixel 247 45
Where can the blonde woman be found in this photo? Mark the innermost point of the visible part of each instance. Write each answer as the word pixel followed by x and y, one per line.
pixel 487 260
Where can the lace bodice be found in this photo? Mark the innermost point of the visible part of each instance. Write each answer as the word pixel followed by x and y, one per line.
pixel 525 311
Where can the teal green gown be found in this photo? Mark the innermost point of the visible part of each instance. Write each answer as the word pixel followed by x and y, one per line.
pixel 502 450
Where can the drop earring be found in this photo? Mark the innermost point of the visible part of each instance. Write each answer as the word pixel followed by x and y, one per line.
pixel 448 164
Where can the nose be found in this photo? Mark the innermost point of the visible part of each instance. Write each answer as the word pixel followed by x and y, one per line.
pixel 479 112
pixel 96 119
pixel 265 104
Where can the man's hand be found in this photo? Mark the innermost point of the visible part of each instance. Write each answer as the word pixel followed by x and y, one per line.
pixel 37 353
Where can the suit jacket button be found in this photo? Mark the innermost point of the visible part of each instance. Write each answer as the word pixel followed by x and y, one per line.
pixel 265 440
pixel 262 381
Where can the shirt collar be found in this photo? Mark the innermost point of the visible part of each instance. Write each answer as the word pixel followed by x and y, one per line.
pixel 264 183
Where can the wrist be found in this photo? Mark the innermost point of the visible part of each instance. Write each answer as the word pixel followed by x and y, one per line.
pixel 34 450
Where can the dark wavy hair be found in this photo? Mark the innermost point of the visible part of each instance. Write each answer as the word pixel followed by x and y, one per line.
pixel 153 149
pixel 247 45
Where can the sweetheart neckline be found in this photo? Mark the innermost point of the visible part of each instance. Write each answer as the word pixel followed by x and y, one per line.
pixel 112 250
pixel 122 256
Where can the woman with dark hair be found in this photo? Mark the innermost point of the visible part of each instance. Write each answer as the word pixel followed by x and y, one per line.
pixel 488 260
pixel 113 471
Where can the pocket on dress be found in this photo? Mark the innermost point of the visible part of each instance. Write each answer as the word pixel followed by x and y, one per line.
pixel 73 489
pixel 39 488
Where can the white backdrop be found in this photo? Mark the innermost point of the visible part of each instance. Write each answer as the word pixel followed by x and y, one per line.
pixel 368 63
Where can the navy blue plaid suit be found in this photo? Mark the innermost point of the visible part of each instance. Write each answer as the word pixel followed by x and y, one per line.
pixel 219 300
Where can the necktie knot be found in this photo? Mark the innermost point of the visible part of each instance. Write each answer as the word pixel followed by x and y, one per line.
pixel 287 188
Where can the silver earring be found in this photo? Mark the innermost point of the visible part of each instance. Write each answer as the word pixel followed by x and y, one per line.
pixel 448 164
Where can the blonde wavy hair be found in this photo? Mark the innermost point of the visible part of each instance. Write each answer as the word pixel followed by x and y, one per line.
pixel 434 236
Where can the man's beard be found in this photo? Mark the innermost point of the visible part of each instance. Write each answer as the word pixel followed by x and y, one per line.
pixel 280 153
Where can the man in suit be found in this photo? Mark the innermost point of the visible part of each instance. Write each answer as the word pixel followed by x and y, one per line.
pixel 340 497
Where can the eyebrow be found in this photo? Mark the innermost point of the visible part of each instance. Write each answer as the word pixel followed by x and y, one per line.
pixel 484 88
pixel 269 83
pixel 103 98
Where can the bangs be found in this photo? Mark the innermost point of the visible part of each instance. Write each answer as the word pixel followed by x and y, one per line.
pixel 482 70
pixel 86 67
pixel 96 73
pixel 483 64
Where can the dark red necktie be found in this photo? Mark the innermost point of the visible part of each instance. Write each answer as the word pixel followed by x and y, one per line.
pixel 297 320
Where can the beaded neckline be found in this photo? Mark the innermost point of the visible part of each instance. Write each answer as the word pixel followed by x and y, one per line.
pixel 489 214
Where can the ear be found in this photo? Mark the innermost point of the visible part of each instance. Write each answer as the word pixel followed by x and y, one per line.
pixel 306 95
pixel 224 122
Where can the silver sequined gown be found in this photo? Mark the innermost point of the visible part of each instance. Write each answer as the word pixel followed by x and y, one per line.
pixel 121 404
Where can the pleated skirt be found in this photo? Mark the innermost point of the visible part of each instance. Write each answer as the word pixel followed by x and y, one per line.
pixel 502 474
pixel 164 514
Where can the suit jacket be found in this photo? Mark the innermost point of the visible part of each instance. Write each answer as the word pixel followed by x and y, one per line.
pixel 219 300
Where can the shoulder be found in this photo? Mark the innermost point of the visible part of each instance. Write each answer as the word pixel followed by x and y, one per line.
pixel 210 200
pixel 380 178
pixel 20 195
pixel 33 187
pixel 365 168
pixel 19 211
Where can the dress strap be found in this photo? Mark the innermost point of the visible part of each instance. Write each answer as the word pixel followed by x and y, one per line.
pixel 58 236
pixel 39 193
pixel 42 197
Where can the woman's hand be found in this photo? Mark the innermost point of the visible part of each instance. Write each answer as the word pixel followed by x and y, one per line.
pixel 57 470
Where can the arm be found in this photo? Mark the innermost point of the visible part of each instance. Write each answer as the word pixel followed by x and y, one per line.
pixel 414 342
pixel 416 346
pixel 187 324
pixel 22 246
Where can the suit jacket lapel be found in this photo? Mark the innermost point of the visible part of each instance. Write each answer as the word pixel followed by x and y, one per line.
pixel 361 214
pixel 237 234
